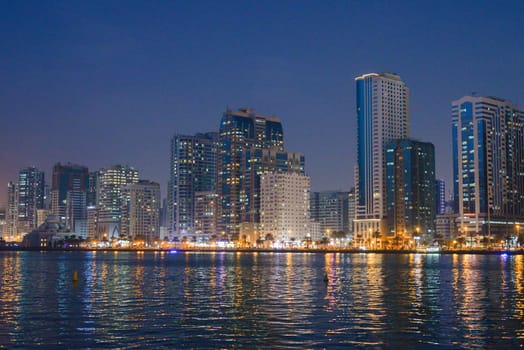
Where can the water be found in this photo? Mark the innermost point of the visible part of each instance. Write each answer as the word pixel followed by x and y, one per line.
pixel 268 300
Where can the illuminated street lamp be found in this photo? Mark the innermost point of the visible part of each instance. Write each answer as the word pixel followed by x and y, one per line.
pixel 416 237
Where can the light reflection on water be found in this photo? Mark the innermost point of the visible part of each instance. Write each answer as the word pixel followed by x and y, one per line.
pixel 225 300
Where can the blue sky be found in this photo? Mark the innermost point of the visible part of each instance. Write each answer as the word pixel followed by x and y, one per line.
pixel 105 82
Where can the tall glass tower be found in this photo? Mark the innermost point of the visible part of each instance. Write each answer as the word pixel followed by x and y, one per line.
pixel 382 116
pixel 193 170
pixel 69 193
pixel 30 197
pixel 242 134
pixel 488 166
pixel 411 205
pixel 109 198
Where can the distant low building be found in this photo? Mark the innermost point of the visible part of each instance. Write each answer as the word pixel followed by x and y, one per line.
pixel 53 233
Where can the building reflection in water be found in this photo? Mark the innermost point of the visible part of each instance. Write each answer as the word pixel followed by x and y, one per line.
pixel 215 300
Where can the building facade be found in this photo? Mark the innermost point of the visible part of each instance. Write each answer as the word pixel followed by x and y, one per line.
pixel 242 133
pixel 193 169
pixel 206 215
pixel 285 207
pixel 382 116
pixel 410 183
pixel 440 196
pixel 488 171
pixel 331 210
pixel 140 211
pixel 11 231
pixel 69 195
pixel 31 186
pixel 256 162
pixel 109 198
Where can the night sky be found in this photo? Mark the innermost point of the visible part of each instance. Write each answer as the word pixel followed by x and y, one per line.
pixel 105 82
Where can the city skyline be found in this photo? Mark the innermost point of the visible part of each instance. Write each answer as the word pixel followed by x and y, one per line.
pixel 132 91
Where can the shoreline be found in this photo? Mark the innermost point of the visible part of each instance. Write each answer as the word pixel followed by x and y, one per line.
pixel 267 250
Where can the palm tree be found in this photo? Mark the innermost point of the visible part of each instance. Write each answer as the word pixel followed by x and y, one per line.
pixel 308 241
pixel 396 241
pixel 376 236
pixel 520 239
pixel 359 238
pixel 461 241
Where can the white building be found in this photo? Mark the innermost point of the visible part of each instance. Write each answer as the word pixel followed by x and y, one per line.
pixel 109 198
pixel 382 116
pixel 285 206
pixel 206 213
pixel 141 211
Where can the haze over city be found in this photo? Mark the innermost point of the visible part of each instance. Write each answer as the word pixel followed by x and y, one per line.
pixel 100 83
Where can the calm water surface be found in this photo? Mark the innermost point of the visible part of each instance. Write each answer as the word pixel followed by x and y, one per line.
pixel 267 300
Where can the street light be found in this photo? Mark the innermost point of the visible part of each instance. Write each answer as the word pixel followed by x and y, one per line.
pixel 417 236
pixel 517 227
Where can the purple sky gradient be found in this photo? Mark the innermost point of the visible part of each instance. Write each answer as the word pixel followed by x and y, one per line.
pixel 105 82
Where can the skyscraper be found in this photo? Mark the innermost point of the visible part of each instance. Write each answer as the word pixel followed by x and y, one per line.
pixel 193 169
pixel 206 204
pixel 69 195
pixel 255 162
pixel 141 211
pixel 382 116
pixel 242 132
pixel 12 213
pixel 488 167
pixel 440 196
pixel 330 209
pixel 410 174
pixel 285 207
pixel 109 198
pixel 30 197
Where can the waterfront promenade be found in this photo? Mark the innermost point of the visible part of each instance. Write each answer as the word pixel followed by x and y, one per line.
pixel 512 251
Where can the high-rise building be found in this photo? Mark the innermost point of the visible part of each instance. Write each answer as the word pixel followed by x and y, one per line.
pixel 47 198
pixel 30 197
pixel 3 222
pixel 12 213
pixel 193 169
pixel 91 189
pixel 242 133
pixel 92 223
pixel 206 215
pixel 284 207
pixel 440 196
pixel 109 198
pixel 382 116
pixel 351 212
pixel 330 209
pixel 488 171
pixel 69 195
pixel 256 162
pixel 141 211
pixel 410 174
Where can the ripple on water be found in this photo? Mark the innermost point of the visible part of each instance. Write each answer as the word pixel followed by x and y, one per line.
pixel 225 300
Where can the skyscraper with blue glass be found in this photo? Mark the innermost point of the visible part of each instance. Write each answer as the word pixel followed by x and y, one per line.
pixel 411 204
pixel 488 166
pixel 243 136
pixel 30 197
pixel 69 195
pixel 193 170
pixel 382 116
